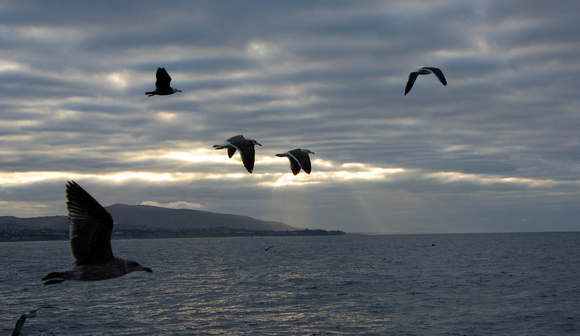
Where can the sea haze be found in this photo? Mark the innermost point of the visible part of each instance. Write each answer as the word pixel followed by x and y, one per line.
pixel 461 284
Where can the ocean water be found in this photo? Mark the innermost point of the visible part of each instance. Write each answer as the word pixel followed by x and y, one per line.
pixel 448 284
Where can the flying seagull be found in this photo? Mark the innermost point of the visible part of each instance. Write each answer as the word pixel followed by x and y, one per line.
pixel 90 241
pixel 298 159
pixel 424 71
pixel 30 314
pixel 162 87
pixel 245 146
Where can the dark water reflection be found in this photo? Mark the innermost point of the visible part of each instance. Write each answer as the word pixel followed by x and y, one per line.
pixel 478 284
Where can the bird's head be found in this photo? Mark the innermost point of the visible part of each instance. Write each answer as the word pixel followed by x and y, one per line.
pixel 308 151
pixel 177 90
pixel 254 142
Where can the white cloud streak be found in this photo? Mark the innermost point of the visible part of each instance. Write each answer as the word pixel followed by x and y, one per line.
pixel 325 76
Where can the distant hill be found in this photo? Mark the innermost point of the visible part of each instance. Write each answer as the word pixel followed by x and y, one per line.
pixel 144 216
pixel 51 222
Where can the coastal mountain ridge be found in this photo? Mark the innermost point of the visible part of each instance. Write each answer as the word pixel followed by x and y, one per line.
pixel 146 216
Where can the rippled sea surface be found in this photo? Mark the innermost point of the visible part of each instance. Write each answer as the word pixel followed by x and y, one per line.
pixel 462 284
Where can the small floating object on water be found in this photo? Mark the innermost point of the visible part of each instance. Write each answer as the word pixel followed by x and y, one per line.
pixel 90 241
pixel 30 314
pixel 299 159
pixel 424 71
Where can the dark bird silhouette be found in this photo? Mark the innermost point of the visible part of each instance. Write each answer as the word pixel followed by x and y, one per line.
pixel 268 248
pixel 424 71
pixel 246 148
pixel 299 159
pixel 30 314
pixel 162 85
pixel 90 240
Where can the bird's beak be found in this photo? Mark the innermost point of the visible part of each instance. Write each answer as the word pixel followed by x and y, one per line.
pixel 259 144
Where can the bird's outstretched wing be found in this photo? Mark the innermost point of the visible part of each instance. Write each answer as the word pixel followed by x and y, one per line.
pixel 19 325
pixel 439 74
pixel 91 227
pixel 163 79
pixel 247 151
pixel 231 151
pixel 411 81
pixel 248 154
pixel 294 157
pixel 304 160
pixel 294 165
pixel 236 138
pixel 234 142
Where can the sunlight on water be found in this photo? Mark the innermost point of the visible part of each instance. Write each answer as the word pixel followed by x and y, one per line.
pixel 478 284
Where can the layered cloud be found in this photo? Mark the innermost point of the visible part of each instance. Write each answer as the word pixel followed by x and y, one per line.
pixel 495 150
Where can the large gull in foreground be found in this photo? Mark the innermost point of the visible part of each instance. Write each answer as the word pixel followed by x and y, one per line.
pixel 298 159
pixel 162 84
pixel 424 71
pixel 90 241
pixel 246 148
pixel 33 313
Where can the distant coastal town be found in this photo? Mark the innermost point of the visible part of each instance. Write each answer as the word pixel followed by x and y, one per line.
pixel 10 233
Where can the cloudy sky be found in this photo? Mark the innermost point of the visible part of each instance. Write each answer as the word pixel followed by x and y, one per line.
pixel 497 149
